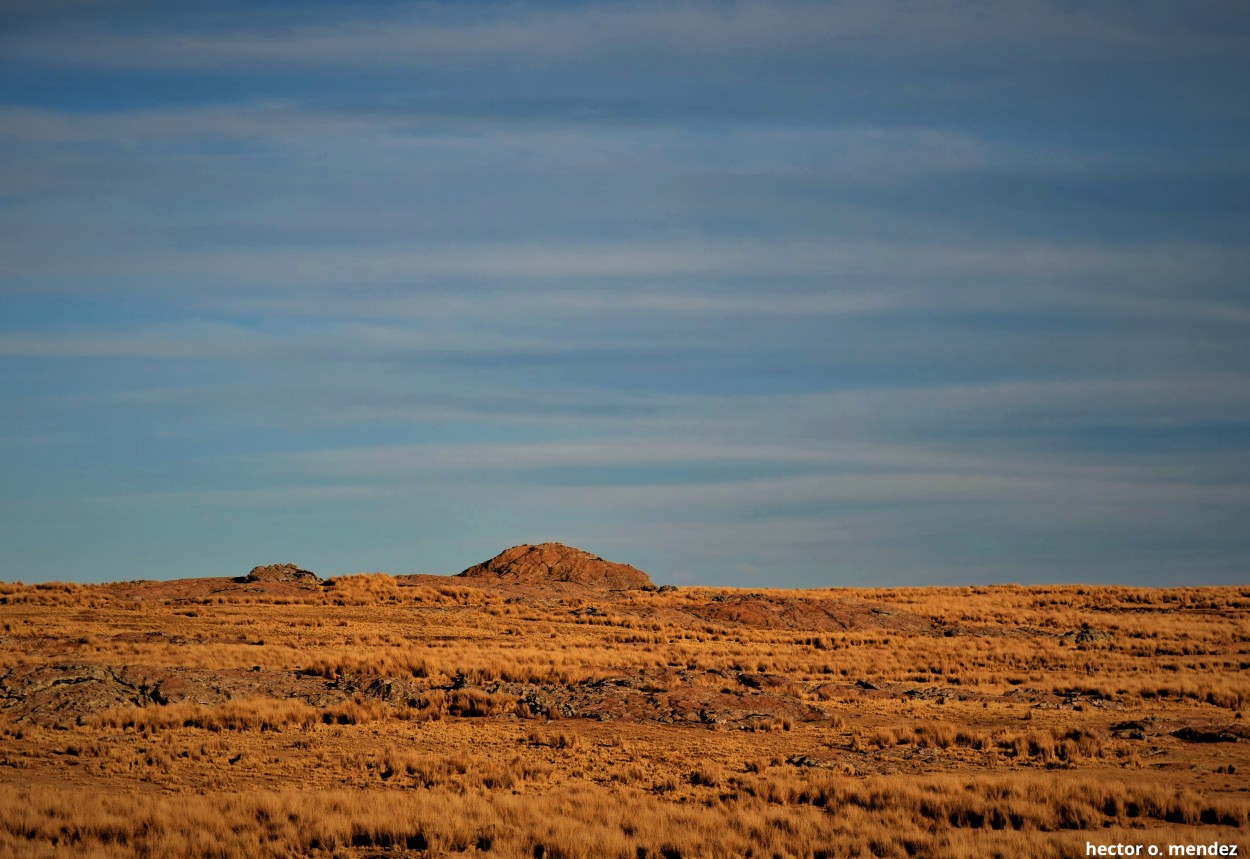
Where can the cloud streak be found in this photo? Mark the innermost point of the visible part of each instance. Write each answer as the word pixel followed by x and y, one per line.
pixel 794 292
pixel 432 34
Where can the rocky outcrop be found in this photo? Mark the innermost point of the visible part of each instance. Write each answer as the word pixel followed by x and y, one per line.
pixel 666 696
pixel 773 611
pixel 1088 636
pixel 550 563
pixel 66 694
pixel 288 573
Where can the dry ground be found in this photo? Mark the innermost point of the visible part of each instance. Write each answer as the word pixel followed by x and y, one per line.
pixel 376 715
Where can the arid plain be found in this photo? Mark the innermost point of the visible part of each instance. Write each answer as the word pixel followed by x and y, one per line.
pixel 549 703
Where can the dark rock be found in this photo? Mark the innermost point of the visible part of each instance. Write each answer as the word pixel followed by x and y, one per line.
pixel 764 681
pixel 1088 636
pixel 1195 735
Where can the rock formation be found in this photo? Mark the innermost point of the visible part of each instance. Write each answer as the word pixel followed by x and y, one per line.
pixel 282 573
pixel 548 563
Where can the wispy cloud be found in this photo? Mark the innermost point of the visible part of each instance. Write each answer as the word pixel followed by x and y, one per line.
pixel 268 498
pixel 431 34
pixel 822 289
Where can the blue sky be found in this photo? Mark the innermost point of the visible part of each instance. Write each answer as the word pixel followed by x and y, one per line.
pixel 759 293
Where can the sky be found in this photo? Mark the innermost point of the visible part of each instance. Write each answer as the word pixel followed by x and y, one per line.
pixel 801 294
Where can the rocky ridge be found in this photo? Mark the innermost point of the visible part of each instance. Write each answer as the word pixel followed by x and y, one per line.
pixel 288 573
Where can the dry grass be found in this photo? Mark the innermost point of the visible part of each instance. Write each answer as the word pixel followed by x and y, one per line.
pixel 834 817
pixel 255 714
pixel 377 716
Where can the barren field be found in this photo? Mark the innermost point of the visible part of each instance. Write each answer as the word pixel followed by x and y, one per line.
pixel 547 706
